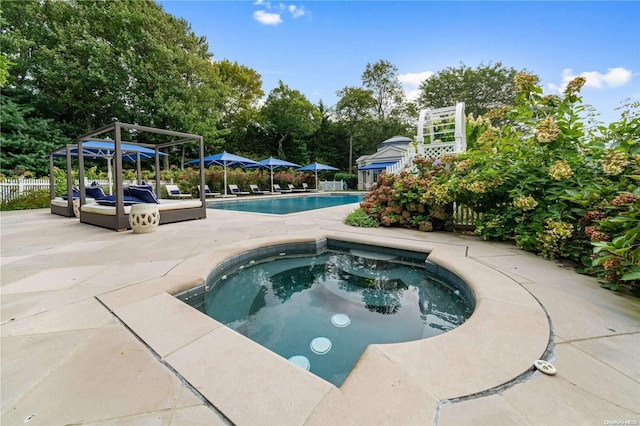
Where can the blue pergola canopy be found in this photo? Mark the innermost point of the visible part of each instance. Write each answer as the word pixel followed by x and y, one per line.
pixel 98 149
pixel 107 150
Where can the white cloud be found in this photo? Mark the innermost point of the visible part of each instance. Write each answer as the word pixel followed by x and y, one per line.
pixel 272 14
pixel 296 11
pixel 411 82
pixel 414 78
pixel 267 18
pixel 615 77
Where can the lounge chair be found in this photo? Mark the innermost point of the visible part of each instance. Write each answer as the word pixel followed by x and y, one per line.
pixel 257 191
pixel 208 193
pixel 235 191
pixel 174 192
pixel 306 188
pixel 276 188
pixel 294 189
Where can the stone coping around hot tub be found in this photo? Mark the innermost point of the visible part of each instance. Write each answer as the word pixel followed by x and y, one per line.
pixel 249 384
pixel 195 296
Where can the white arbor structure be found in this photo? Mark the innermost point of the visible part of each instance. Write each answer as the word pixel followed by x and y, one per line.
pixel 445 131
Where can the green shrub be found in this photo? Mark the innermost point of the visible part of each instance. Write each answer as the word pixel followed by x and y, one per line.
pixel 360 219
pixel 555 187
pixel 420 200
pixel 31 200
pixel 540 179
pixel 344 176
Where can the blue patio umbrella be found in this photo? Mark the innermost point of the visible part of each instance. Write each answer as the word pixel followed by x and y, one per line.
pixel 107 150
pixel 224 159
pixel 272 164
pixel 314 167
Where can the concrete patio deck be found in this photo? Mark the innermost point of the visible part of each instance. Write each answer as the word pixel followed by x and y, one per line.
pixel 90 335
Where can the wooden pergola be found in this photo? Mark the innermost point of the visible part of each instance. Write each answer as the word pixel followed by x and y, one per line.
pixel 120 221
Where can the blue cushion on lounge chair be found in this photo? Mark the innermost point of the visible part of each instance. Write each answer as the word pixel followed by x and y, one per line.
pixel 175 192
pixel 143 192
pixel 110 200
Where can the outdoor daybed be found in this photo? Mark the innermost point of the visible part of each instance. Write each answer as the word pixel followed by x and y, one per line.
pixel 70 206
pixel 115 216
pixel 170 211
pixel 63 206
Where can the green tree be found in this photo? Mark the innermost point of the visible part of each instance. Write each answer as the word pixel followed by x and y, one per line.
pixel 381 79
pixel 239 107
pixel 26 139
pixel 290 117
pixel 328 145
pixel 89 63
pixel 481 89
pixel 243 91
pixel 354 108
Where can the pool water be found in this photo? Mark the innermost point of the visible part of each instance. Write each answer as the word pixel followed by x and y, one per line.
pixel 321 311
pixel 287 204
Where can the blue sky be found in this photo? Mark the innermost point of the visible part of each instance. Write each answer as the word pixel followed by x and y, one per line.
pixel 319 47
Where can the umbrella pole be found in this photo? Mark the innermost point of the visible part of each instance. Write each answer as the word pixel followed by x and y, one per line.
pixel 225 179
pixel 110 175
pixel 316 179
pixel 271 190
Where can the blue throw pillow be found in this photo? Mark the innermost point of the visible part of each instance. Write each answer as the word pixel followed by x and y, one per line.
pixel 144 192
pixel 110 200
pixel 94 192
pixel 76 193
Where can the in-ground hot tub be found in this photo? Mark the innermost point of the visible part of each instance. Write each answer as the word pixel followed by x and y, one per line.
pixel 250 384
pixel 321 305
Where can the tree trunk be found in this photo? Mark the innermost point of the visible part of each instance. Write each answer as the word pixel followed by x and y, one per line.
pixel 280 149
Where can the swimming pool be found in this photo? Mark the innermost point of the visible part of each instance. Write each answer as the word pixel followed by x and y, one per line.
pixel 287 204
pixel 322 310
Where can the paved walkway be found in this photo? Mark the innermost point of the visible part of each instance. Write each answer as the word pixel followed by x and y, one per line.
pixel 75 350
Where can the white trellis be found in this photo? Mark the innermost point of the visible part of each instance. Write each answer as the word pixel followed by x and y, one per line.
pixel 445 130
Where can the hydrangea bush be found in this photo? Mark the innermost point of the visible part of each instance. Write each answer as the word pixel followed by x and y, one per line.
pixel 416 200
pixel 541 178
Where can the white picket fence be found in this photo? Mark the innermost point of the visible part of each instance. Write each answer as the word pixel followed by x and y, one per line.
pixel 13 188
pixel 332 185
pixel 464 217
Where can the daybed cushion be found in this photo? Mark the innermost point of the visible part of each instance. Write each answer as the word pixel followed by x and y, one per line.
pixel 143 192
pixel 163 206
pixel 110 200
pixel 61 202
pixel 178 204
